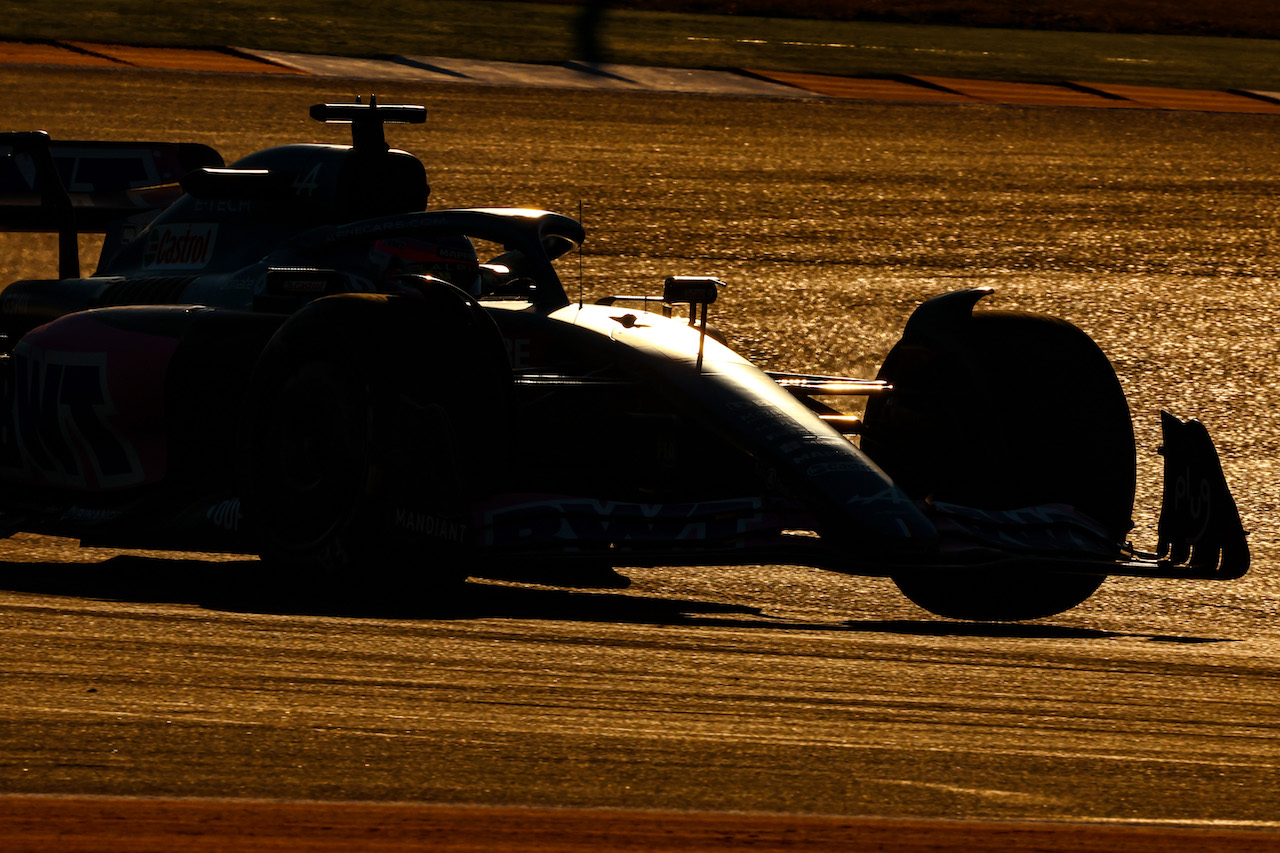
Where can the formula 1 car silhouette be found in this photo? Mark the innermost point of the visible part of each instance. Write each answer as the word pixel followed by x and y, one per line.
pixel 292 357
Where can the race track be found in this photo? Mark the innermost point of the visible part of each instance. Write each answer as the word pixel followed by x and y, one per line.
pixel 767 690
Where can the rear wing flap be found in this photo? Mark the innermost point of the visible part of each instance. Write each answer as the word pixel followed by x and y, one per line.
pixel 72 187
pixel 41 179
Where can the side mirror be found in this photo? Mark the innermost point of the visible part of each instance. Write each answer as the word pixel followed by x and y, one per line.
pixel 695 291
pixel 691 290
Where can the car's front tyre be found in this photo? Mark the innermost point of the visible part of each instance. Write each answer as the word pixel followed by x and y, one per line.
pixel 1002 410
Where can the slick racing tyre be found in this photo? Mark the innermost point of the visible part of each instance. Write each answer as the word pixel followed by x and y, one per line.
pixel 359 443
pixel 1002 410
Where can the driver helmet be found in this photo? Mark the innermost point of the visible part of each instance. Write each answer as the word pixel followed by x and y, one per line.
pixel 449 257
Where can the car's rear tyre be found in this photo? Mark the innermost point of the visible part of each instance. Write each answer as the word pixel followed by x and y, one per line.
pixel 359 428
pixel 1001 410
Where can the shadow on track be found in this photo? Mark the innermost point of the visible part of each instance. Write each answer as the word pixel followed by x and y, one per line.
pixel 236 586
pixel 1015 630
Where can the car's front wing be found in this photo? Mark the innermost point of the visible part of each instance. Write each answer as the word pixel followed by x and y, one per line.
pixel 1201 536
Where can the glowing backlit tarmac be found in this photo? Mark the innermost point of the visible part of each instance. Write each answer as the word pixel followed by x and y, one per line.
pixel 764 689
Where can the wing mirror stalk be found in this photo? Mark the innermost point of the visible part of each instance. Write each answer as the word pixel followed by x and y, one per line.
pixel 697 292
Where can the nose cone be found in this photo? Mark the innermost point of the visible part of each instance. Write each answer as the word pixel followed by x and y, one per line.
pixel 854 501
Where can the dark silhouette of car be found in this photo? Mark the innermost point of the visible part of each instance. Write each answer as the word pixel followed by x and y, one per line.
pixel 292 357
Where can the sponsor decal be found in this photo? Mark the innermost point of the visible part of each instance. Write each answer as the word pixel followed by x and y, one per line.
pixel 519 353
pixel 838 467
pixel 62 428
pixel 764 421
pixel 225 515
pixel 242 282
pixel 85 515
pixel 304 285
pixel 85 406
pixel 305 186
pixel 1193 496
pixel 229 207
pixel 562 519
pixel 378 226
pixel 1046 528
pixel 431 526
pixel 185 246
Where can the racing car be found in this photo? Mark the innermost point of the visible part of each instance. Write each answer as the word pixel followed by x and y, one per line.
pixel 293 357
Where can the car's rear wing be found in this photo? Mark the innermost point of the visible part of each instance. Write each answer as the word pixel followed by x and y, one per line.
pixel 72 187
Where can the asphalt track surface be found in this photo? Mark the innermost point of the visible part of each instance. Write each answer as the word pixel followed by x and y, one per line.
pixel 145 697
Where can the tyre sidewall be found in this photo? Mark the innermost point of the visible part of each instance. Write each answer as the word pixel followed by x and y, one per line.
pixel 1001 411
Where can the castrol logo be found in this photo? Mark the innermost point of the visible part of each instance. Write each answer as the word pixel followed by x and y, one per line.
pixel 188 246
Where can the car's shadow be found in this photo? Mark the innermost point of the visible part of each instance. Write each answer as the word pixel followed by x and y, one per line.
pixel 236 586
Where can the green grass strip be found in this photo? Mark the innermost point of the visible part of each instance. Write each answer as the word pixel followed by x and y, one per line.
pixel 537 32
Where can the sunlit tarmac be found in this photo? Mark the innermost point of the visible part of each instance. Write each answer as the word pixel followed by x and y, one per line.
pixel 759 688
